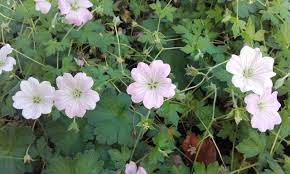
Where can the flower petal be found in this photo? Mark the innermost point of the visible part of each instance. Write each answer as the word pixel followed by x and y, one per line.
pixel 137 90
pixel 152 99
pixel 42 6
pixel 142 73
pixel 8 66
pixel 131 168
pixel 159 69
pixel 5 50
pixel 252 103
pixel 83 82
pixel 141 170
pixel 32 112
pixel 84 3
pixel 64 6
pixel 21 100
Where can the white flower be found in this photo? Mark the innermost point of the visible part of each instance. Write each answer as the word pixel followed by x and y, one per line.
pixel 251 71
pixel 151 84
pixel 132 168
pixel 264 109
pixel 6 62
pixel 43 6
pixel 34 98
pixel 75 95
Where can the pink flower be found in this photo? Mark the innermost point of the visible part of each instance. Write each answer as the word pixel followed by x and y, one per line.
pixel 264 110
pixel 42 5
pixel 75 11
pixel 151 84
pixel 251 71
pixel 131 168
pixel 75 95
pixel 6 62
pixel 34 98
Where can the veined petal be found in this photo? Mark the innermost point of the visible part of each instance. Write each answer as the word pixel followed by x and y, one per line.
pixel 137 90
pixel 252 103
pixel 8 66
pixel 29 86
pixel 166 88
pixel 32 112
pixel 21 100
pixel 42 6
pixel 84 3
pixel 64 6
pixel 5 50
pixel 152 99
pixel 83 82
pixel 66 81
pixel 141 170
pixel 234 65
pixel 142 73
pixel 131 168
pixel 89 99
pixel 159 69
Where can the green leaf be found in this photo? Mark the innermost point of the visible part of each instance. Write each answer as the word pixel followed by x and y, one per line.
pixel 67 142
pixel 170 111
pixel 200 168
pixel 287 164
pixel 167 11
pixel 13 144
pixel 86 163
pixel 238 27
pixel 253 145
pixel 120 158
pixel 112 119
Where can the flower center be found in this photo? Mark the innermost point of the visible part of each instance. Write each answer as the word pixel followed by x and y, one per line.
pixel 152 84
pixel 248 73
pixel 74 5
pixel 1 63
pixel 261 105
pixel 36 100
pixel 77 93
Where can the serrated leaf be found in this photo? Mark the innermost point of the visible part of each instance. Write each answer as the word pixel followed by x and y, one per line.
pixel 13 144
pixel 253 145
pixel 112 119
pixel 85 163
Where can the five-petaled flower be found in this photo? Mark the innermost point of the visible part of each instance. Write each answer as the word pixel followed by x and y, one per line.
pixel 264 110
pixel 75 11
pixel 42 5
pixel 251 71
pixel 151 84
pixel 75 95
pixel 34 98
pixel 6 62
pixel 131 168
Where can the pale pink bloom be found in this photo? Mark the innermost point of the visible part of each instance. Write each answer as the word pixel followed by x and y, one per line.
pixel 131 168
pixel 251 71
pixel 75 95
pixel 264 110
pixel 151 84
pixel 42 5
pixel 34 98
pixel 75 11
pixel 6 62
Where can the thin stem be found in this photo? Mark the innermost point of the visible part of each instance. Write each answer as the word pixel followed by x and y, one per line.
pixel 28 57
pixel 243 168
pixel 275 141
